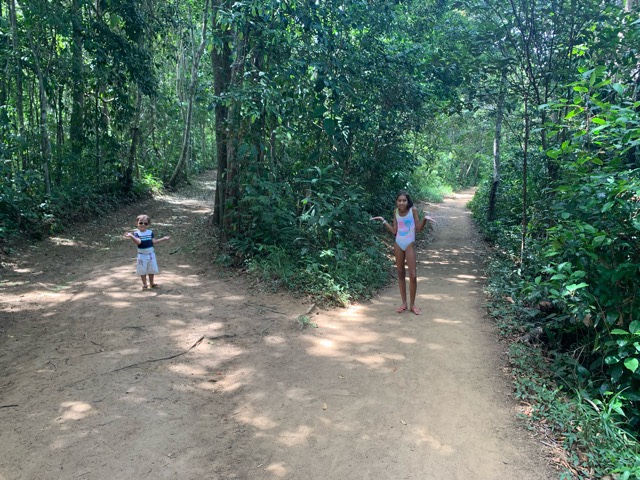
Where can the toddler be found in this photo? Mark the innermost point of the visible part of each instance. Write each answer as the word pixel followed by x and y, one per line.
pixel 146 261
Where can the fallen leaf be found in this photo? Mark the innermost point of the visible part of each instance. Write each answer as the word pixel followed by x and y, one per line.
pixel 324 406
pixel 403 422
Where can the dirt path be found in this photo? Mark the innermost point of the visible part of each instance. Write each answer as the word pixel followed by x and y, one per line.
pixel 88 391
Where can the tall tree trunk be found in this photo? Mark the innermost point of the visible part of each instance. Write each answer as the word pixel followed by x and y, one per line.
pixel 135 138
pixel 186 136
pixel 59 136
pixel 76 131
pixel 497 138
pixel 525 159
pixel 234 139
pixel 45 143
pixel 17 63
pixel 221 65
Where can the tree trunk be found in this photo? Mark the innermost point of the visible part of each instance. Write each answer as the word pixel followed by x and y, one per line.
pixel 76 131
pixel 135 138
pixel 234 139
pixel 59 136
pixel 186 136
pixel 525 153
pixel 497 138
pixel 18 72
pixel 45 143
pixel 221 65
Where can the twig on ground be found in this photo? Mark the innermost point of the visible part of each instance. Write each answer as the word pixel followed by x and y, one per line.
pixel 163 358
pixel 264 330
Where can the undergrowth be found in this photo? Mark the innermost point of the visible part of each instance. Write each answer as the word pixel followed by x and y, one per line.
pixel 587 435
pixel 35 218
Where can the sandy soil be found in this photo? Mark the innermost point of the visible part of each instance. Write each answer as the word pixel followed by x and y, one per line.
pixel 209 378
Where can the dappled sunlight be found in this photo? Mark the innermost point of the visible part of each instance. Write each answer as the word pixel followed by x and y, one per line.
pixel 235 380
pixel 185 369
pixel 65 242
pixel 74 411
pixel 406 340
pixel 425 438
pixel 447 321
pixel 274 339
pixel 249 416
pixel 277 469
pixel 123 352
pixel 457 280
pixel 176 323
pixel 296 437
pixel 332 344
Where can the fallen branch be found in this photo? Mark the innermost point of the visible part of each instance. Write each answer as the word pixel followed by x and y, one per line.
pixel 8 406
pixel 163 358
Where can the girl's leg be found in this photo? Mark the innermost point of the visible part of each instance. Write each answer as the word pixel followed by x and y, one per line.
pixel 151 277
pixel 400 254
pixel 410 254
pixel 144 281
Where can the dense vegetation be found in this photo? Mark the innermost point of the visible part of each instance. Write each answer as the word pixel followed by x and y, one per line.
pixel 315 113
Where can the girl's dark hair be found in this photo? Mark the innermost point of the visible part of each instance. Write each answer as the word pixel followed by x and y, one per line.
pixel 406 194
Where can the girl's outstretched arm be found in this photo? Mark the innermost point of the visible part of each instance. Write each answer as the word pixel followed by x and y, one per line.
pixel 389 227
pixel 416 218
pixel 420 224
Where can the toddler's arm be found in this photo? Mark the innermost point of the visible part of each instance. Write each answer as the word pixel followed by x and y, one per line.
pixel 135 239
pixel 163 239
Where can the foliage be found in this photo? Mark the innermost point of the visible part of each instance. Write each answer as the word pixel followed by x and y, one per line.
pixel 591 431
pixel 306 240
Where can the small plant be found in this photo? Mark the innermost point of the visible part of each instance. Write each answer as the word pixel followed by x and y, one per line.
pixel 305 321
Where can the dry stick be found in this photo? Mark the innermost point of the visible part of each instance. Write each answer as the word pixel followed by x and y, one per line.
pixel 163 358
pixel 8 406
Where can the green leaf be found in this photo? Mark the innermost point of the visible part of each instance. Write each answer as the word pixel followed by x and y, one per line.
pixel 607 206
pixel 634 327
pixel 576 286
pixel 618 88
pixel 597 241
pixel 611 360
pixel 572 113
pixel 618 331
pixel 329 126
pixel 632 364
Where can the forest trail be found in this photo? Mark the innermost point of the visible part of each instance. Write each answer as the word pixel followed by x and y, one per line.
pixel 89 391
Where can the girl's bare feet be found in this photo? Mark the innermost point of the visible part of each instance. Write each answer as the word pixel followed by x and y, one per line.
pixel 401 308
pixel 416 310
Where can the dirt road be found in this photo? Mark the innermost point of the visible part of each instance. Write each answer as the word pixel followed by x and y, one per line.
pixel 207 378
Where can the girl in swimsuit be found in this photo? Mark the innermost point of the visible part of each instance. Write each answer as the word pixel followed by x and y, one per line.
pixel 406 223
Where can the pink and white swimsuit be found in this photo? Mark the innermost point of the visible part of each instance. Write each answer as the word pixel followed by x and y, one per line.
pixel 406 233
